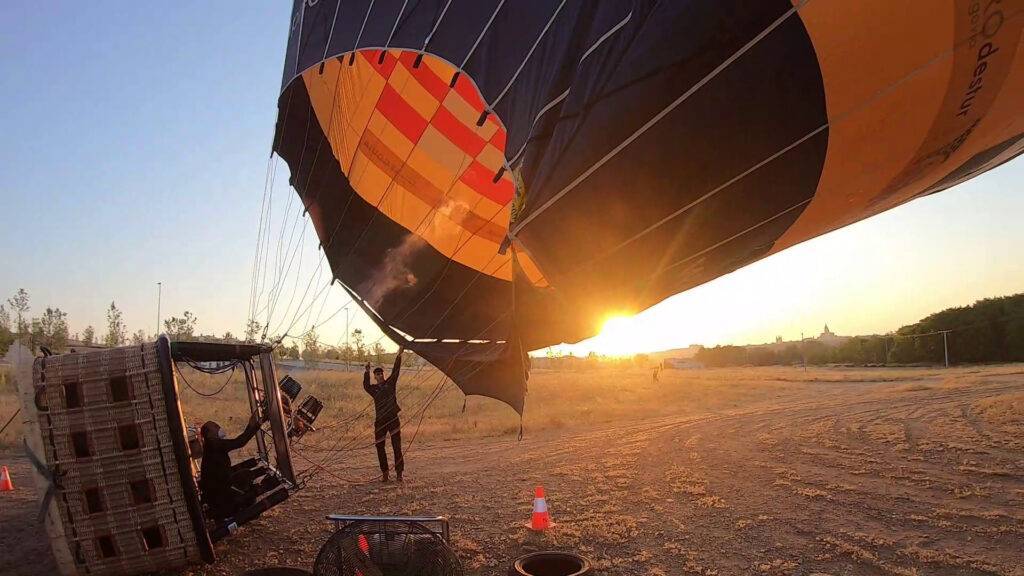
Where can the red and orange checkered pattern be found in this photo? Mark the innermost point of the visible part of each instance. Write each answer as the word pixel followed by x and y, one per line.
pixel 411 141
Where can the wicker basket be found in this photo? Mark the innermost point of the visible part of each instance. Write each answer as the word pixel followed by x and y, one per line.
pixel 109 428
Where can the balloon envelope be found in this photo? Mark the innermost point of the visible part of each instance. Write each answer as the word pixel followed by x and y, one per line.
pixel 491 177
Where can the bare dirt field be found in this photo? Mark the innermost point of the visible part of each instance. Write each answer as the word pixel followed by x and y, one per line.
pixel 715 472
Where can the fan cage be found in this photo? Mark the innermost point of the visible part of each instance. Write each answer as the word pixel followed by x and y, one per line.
pixel 388 547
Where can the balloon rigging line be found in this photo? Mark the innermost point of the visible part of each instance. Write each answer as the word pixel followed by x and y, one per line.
pixel 528 55
pixel 333 454
pixel 436 25
pixel 487 26
pixel 279 261
pixel 660 115
pixel 433 396
pixel 334 22
pixel 839 118
pixel 395 27
pixel 547 107
pixel 298 275
pixel 298 39
pixel 256 256
pixel 312 170
pixel 342 444
pixel 360 35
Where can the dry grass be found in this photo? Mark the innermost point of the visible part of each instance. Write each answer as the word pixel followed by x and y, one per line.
pixel 8 404
pixel 1005 411
pixel 556 399
pixel 712 472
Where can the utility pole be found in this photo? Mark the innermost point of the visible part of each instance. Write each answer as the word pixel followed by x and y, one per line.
pixel 159 293
pixel 347 358
pixel 803 354
pixel 945 346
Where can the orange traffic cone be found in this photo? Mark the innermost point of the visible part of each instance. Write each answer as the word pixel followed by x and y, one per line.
pixel 541 518
pixel 5 480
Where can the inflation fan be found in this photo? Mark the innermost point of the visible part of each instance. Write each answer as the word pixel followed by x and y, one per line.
pixel 387 546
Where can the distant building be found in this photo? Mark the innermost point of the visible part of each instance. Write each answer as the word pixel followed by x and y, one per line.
pixel 829 338
pixel 681 364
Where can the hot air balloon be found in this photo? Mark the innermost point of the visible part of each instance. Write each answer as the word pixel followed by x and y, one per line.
pixel 489 177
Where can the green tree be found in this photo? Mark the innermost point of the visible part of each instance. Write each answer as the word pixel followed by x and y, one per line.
pixel 50 330
pixel 283 351
pixel 19 303
pixel 722 356
pixel 183 328
pixel 115 328
pixel 1015 339
pixel 359 347
pixel 6 335
pixel 378 351
pixel 89 336
pixel 139 338
pixel 989 330
pixel 252 330
pixel 790 355
pixel 761 356
pixel 310 345
pixel 346 352
pixel 816 353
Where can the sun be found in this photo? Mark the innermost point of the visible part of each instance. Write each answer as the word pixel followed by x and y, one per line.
pixel 618 336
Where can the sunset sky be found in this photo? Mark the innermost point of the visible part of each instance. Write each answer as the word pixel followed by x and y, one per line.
pixel 135 150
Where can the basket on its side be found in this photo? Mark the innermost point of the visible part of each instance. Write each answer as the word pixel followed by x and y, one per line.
pixel 107 427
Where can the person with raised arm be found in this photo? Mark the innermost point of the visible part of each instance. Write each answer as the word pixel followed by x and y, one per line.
pixel 386 423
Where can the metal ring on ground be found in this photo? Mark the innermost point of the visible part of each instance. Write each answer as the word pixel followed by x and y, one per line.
pixel 550 563
pixel 278 571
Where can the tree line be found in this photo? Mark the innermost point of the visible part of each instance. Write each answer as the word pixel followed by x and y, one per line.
pixel 50 330
pixel 990 330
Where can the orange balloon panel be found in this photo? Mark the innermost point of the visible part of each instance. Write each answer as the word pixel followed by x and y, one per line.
pixel 422 151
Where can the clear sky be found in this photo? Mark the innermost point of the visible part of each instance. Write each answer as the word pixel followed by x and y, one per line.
pixel 134 151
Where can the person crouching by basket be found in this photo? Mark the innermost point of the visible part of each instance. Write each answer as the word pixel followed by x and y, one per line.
pixel 220 494
pixel 385 404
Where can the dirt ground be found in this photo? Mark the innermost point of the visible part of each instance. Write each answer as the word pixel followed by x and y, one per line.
pixel 850 476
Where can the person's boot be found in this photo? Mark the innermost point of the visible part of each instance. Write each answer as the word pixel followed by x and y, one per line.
pixel 398 476
pixel 384 477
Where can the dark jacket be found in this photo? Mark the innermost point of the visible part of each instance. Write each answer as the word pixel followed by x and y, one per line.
pixel 384 401
pixel 215 471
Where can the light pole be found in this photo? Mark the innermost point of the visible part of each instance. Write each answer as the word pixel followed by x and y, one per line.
pixel 159 293
pixel 348 347
pixel 945 346
pixel 347 312
pixel 803 354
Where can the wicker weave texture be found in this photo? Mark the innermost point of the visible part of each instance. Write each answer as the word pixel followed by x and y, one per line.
pixel 104 425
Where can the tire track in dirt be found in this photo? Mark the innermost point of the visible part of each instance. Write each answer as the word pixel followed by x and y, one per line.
pixel 822 498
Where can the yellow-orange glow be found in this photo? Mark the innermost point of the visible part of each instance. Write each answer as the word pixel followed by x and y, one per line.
pixel 618 337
